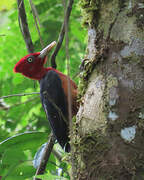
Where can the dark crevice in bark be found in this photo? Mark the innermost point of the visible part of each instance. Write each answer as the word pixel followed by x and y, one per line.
pixel 121 7
pixel 111 26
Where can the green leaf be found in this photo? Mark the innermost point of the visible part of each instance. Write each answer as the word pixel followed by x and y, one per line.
pixel 51 165
pixel 6 4
pixel 13 156
pixel 50 177
pixel 20 172
pixel 24 141
pixel 17 79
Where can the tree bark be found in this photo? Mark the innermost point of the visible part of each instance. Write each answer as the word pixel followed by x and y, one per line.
pixel 108 131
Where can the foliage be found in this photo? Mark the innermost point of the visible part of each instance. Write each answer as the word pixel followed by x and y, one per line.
pixel 24 113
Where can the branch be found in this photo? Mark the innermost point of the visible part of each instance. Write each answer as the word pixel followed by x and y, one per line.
pixel 68 63
pixel 45 157
pixel 3 105
pixel 17 104
pixel 35 15
pixel 50 144
pixel 69 91
pixel 13 95
pixel 61 35
pixel 57 155
pixel 24 26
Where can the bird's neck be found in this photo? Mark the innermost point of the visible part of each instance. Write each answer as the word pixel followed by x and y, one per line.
pixel 43 72
pixel 36 74
pixel 50 68
pixel 40 73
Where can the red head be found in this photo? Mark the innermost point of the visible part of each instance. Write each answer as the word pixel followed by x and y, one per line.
pixel 32 65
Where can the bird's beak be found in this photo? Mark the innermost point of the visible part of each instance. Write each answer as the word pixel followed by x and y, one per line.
pixel 46 50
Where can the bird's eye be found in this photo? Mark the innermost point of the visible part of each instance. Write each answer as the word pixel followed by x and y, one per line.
pixel 30 59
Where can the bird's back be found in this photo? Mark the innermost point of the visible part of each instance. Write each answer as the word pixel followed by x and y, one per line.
pixel 55 106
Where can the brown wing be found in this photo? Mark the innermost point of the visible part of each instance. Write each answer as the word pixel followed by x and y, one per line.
pixel 74 91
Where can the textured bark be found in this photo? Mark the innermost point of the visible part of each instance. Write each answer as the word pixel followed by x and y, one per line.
pixel 109 127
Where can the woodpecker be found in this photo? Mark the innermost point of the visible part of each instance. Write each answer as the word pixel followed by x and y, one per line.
pixel 53 92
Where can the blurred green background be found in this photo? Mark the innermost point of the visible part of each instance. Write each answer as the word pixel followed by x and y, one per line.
pixel 25 113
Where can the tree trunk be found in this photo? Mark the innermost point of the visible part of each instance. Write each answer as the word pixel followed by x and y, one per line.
pixel 109 128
